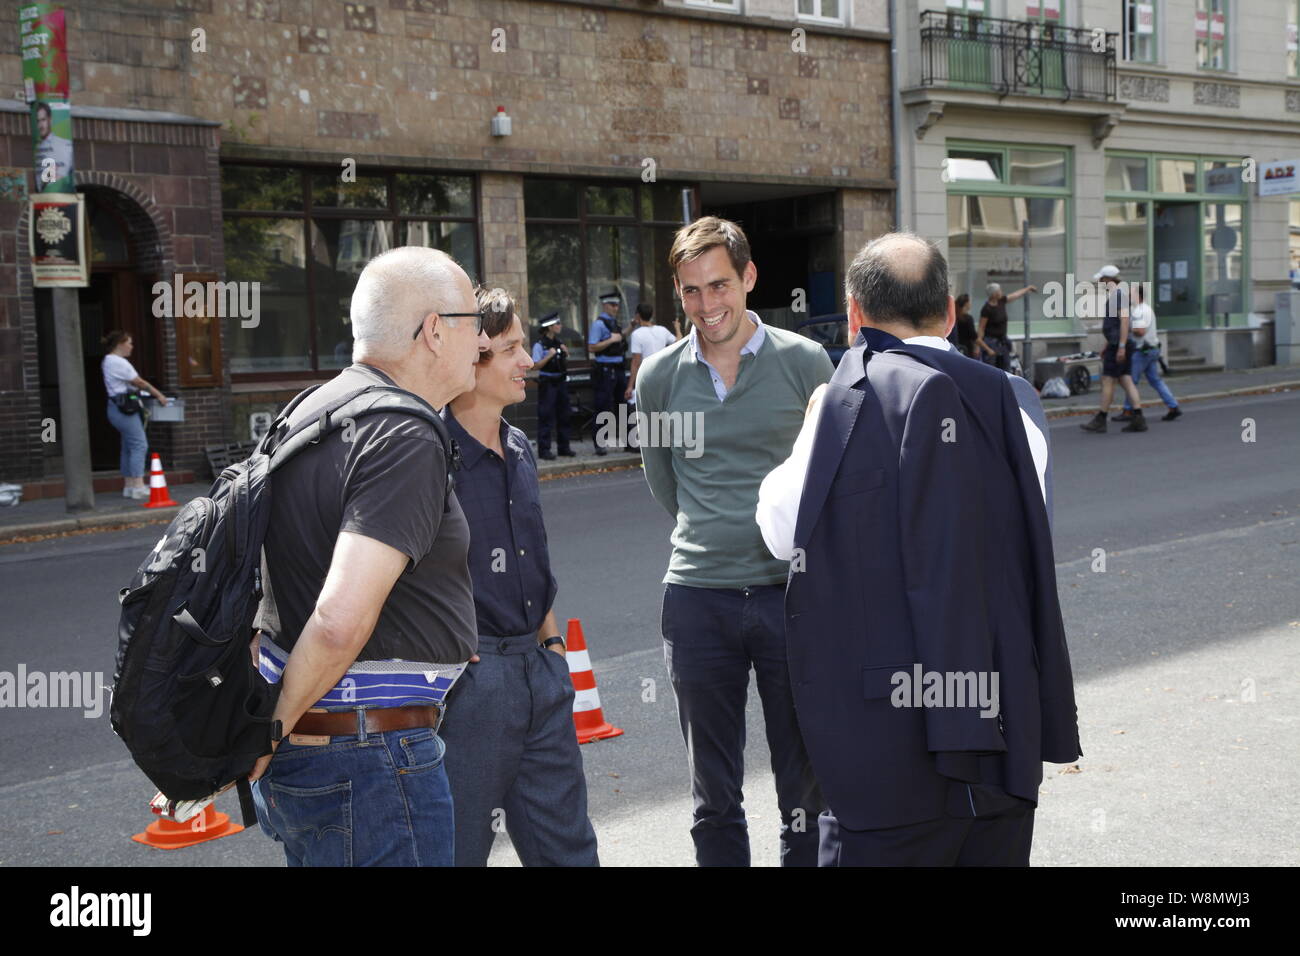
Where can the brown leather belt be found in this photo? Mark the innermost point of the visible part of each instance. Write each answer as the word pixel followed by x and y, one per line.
pixel 346 723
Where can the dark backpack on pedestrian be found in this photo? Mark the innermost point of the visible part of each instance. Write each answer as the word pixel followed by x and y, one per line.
pixel 188 700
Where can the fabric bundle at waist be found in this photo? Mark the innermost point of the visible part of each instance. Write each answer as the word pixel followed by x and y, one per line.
pixel 390 683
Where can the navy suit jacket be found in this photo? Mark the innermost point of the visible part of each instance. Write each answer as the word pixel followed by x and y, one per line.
pixel 924 541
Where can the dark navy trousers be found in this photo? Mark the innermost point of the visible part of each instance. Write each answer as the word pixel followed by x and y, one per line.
pixel 713 637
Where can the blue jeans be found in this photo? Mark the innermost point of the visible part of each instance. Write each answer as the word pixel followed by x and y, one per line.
pixel 1148 364
pixel 377 800
pixel 134 444
pixel 712 638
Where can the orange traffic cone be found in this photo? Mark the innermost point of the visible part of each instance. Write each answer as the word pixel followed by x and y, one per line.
pixel 164 834
pixel 159 496
pixel 587 716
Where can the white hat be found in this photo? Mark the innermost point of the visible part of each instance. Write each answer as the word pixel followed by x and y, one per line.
pixel 1106 272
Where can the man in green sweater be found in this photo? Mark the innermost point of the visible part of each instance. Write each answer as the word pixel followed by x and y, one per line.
pixel 744 387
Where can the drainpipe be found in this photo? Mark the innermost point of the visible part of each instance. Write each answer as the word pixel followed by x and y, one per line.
pixel 895 117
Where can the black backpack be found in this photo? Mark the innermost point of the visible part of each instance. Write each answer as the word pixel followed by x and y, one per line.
pixel 188 700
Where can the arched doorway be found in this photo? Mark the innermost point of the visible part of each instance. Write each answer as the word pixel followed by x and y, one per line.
pixel 123 243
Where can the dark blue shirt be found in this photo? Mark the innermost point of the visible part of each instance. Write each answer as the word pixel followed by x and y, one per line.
pixel 508 559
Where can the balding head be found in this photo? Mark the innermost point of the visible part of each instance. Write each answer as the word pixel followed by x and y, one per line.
pixel 395 291
pixel 900 279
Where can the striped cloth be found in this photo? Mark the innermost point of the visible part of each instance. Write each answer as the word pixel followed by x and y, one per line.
pixel 371 683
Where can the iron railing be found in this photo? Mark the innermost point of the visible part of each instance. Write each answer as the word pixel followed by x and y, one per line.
pixel 1017 57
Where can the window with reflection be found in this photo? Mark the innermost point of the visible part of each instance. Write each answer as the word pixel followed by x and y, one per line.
pixel 308 263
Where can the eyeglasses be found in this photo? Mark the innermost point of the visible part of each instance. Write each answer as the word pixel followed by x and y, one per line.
pixel 478 324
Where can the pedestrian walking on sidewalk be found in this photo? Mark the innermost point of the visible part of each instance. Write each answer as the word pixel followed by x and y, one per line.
pixel 1147 360
pixel 126 410
pixel 1117 357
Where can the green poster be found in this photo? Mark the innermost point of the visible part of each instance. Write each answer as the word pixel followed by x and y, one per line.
pixel 44 41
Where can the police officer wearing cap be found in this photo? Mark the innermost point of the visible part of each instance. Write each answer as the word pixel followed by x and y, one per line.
pixel 605 342
pixel 550 358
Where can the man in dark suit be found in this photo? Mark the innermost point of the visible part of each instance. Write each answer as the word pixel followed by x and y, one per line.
pixel 927 714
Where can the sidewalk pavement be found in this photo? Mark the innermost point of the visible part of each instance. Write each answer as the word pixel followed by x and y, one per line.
pixel 1185 388
pixel 48 516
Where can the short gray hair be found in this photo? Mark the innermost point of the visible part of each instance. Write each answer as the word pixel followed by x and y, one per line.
pixel 992 288
pixel 395 290
pixel 899 277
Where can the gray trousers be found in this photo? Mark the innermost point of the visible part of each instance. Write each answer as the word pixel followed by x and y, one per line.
pixel 512 757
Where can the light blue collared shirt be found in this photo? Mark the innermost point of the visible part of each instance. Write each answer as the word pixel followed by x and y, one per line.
pixel 751 347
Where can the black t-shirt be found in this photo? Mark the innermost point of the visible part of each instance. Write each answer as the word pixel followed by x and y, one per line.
pixel 997 319
pixel 388 483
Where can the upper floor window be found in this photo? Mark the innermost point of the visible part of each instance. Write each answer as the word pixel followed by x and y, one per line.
pixel 824 11
pixel 729 6
pixel 1045 11
pixel 1212 34
pixel 1140 31
pixel 1292 35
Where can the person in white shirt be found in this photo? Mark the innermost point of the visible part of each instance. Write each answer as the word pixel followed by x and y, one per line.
pixel 782 490
pixel 120 377
pixel 648 338
pixel 1146 359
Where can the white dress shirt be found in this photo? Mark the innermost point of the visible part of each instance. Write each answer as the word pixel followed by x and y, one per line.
pixel 782 490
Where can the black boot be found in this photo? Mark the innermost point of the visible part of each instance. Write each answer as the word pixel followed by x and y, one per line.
pixel 1125 415
pixel 1173 413
pixel 1138 424
pixel 1098 423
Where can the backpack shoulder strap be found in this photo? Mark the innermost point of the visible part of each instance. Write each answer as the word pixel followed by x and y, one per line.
pixel 371 399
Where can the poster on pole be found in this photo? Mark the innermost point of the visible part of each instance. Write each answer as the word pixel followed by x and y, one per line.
pixel 57 232
pixel 43 39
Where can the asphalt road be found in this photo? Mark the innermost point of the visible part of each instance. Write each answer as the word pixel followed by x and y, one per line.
pixel 1185 653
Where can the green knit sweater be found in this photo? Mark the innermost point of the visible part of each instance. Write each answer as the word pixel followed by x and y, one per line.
pixel 709 481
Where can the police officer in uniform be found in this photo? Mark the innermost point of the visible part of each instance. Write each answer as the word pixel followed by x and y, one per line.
pixel 608 379
pixel 550 358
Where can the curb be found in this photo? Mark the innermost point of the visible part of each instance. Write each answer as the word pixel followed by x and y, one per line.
pixel 608 463
pixel 1071 411
pixel 91 522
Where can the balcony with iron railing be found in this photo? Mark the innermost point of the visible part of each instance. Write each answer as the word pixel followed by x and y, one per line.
pixel 1017 57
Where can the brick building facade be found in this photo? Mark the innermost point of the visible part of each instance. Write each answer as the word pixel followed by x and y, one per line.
pixel 218 134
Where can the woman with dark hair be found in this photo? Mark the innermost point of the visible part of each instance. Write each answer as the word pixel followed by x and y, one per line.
pixel 124 408
pixel 963 334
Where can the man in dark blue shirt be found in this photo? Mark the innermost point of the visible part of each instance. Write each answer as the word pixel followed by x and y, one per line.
pixel 510 719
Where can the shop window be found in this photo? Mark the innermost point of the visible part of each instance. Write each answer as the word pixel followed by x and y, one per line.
pixel 1175 175
pixel 1037 167
pixel 1126 174
pixel 585 238
pixel 1126 237
pixel 1222 258
pixel 198 341
pixel 1293 234
pixel 306 298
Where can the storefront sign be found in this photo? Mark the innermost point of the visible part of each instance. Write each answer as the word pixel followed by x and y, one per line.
pixel 1223 180
pixel 1279 177
pixel 57 229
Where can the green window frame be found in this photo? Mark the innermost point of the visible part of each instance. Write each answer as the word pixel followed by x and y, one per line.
pixel 1209 191
pixel 1141 47
pixel 1214 53
pixel 1002 162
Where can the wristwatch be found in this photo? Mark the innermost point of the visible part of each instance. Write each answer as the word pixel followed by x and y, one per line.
pixel 553 640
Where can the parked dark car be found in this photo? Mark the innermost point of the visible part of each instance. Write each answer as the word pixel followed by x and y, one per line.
pixel 829 331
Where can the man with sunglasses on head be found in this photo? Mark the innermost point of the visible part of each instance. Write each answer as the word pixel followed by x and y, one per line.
pixel 367 588
pixel 512 755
